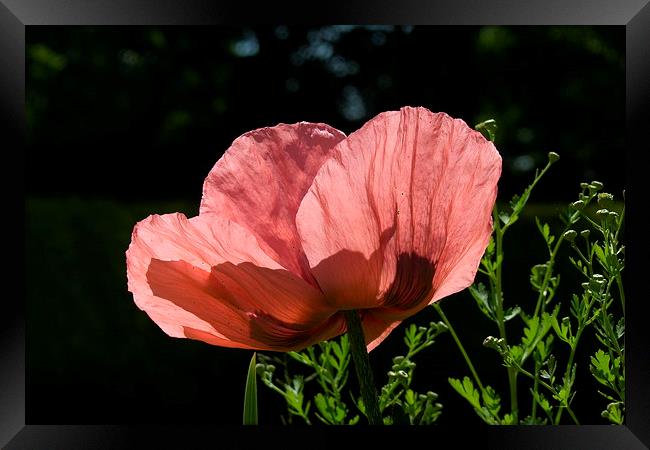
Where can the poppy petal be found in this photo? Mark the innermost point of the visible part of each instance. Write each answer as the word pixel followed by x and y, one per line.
pixel 199 242
pixel 376 329
pixel 261 179
pixel 206 278
pixel 248 305
pixel 415 187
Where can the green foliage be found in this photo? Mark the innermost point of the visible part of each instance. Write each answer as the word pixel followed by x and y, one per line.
pixel 600 262
pixel 328 364
pixel 397 401
pixel 291 389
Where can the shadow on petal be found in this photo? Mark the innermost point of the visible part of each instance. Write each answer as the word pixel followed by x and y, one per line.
pixel 254 307
pixel 413 282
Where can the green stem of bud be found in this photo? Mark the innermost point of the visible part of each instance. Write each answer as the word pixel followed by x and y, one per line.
pixel 362 367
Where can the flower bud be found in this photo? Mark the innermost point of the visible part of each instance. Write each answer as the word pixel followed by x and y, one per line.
pixel 596 185
pixel 585 233
pixel 604 197
pixel 597 283
pixel 432 396
pixel 494 343
pixel 584 185
pixel 570 235
pixel 398 359
pixel 552 157
pixel 402 374
pixel 578 205
pixel 259 369
pixel 602 212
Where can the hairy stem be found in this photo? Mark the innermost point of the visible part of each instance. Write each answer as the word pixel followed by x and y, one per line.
pixel 362 367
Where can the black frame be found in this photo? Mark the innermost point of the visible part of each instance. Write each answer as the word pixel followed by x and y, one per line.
pixel 16 14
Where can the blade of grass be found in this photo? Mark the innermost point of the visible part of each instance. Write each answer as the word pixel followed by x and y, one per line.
pixel 250 394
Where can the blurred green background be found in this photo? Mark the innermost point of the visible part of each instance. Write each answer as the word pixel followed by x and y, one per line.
pixel 127 121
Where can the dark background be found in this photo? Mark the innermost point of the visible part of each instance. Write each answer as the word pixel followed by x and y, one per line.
pixel 124 122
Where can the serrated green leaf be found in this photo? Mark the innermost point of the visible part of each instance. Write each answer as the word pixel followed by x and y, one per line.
pixel 250 394
pixel 482 298
pixel 409 396
pixel 600 254
pixel 516 352
pixel 537 274
pixel 511 313
pixel 300 357
pixel 337 350
pixel 466 389
pixel 491 400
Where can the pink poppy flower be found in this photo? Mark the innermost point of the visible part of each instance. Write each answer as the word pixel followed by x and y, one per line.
pixel 299 223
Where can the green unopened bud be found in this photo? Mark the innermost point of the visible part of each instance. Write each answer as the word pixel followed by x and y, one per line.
pixel 552 157
pixel 422 329
pixel 613 215
pixel 584 185
pixel 259 369
pixel 585 233
pixel 432 396
pixel 597 283
pixel 398 359
pixel 493 343
pixel 570 235
pixel 584 285
pixel 402 374
pixel 578 205
pixel 391 374
pixel 596 185
pixel 598 277
pixel 602 212
pixel 604 198
pixel 566 321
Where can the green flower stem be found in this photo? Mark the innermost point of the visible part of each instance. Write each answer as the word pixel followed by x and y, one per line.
pixel 569 365
pixel 550 389
pixel 533 411
pixel 437 307
pixel 541 301
pixel 621 291
pixel 512 374
pixel 362 367
pixel 619 280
